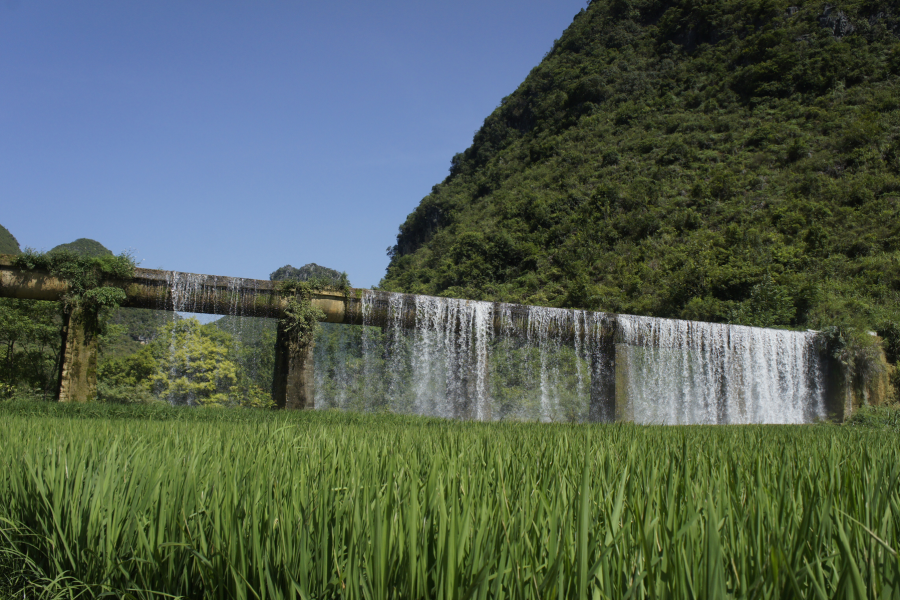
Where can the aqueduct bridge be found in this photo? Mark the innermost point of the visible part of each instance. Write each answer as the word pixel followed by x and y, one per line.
pixel 293 385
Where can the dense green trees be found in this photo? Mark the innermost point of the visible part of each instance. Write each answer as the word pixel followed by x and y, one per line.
pixel 145 355
pixel 197 368
pixel 31 330
pixel 187 363
pixel 722 161
pixel 30 338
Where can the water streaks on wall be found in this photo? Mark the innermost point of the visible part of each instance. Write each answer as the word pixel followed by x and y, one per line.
pixel 478 360
pixel 449 357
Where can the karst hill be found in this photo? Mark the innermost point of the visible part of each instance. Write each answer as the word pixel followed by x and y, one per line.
pixel 725 161
pixel 8 242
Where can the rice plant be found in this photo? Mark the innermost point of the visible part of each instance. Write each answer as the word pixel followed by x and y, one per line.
pixel 157 503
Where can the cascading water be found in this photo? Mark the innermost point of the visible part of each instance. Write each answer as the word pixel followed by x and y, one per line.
pixel 690 372
pixel 245 368
pixel 545 326
pixel 429 356
pixel 486 361
pixel 184 290
pixel 477 360
pixel 446 357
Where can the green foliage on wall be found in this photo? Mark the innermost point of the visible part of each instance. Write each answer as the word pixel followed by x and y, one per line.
pixel 301 318
pixel 31 330
pixel 724 161
pixel 84 275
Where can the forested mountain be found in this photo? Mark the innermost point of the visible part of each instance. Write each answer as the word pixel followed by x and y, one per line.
pixel 731 161
pixel 8 242
pixel 304 273
pixel 85 247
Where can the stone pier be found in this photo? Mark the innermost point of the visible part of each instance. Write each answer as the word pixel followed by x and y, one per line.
pixel 80 349
pixel 603 378
pixel 293 385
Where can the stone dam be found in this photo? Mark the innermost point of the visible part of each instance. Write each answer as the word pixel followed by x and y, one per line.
pixel 477 360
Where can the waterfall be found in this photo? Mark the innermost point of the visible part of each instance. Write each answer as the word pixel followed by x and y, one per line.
pixel 544 328
pixel 431 361
pixel 486 361
pixel 459 358
pixel 413 354
pixel 185 292
pixel 250 340
pixel 690 372
pixel 482 326
pixel 467 359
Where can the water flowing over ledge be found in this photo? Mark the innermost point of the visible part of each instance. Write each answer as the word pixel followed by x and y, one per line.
pixel 481 360
pixel 692 372
pixel 491 361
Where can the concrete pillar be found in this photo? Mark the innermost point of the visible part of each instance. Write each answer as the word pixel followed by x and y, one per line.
pixel 293 385
pixel 78 367
pixel 603 379
pixel 838 390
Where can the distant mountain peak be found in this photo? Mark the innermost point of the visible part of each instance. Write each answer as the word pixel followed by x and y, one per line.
pixel 85 247
pixel 304 273
pixel 8 242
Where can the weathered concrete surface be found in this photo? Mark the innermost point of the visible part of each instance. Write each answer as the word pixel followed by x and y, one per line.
pixel 173 290
pixel 191 292
pixel 293 385
pixel 381 312
pixel 846 391
pixel 624 409
pixel 78 368
pixel 603 379
pixel 838 390
pixel 214 294
pixel 30 286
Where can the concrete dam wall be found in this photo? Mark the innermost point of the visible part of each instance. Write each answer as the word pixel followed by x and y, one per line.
pixel 482 360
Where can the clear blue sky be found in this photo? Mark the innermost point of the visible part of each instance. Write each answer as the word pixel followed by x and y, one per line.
pixel 233 137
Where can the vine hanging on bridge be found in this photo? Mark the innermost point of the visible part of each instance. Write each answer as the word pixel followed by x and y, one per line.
pixel 84 276
pixel 301 318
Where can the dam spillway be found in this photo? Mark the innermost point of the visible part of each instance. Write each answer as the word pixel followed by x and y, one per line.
pixel 483 360
pixel 488 360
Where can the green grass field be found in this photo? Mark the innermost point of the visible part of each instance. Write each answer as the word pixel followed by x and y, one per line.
pixel 157 502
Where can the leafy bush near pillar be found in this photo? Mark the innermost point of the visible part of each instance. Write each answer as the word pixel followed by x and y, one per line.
pixel 85 276
pixel 197 369
pixel 301 319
